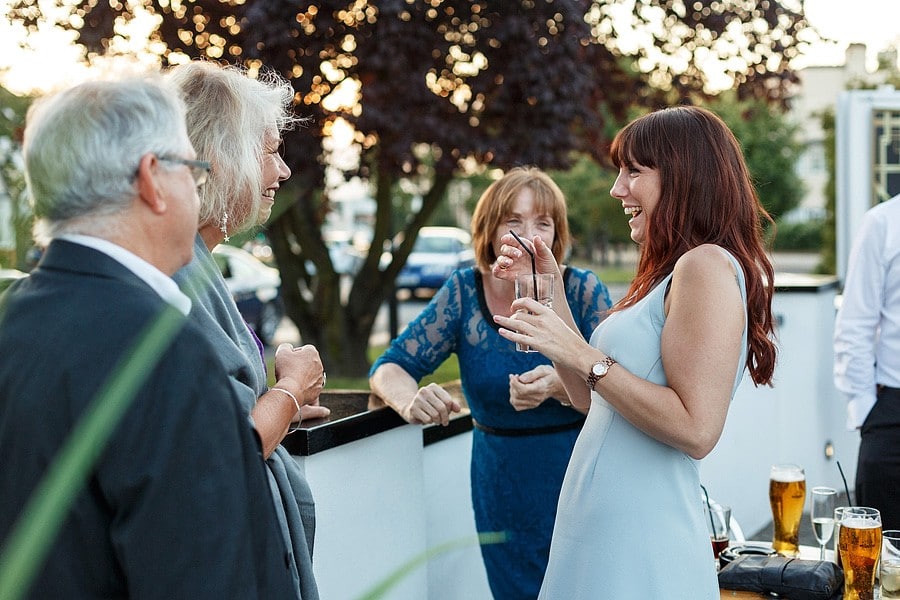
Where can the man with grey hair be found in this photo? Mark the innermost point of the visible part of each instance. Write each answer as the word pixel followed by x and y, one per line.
pixel 113 178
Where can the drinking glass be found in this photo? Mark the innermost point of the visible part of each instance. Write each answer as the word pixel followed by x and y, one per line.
pixel 538 286
pixel 860 542
pixel 822 515
pixel 787 494
pixel 718 520
pixel 890 564
pixel 838 515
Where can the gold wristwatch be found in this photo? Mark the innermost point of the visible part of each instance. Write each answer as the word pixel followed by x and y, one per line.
pixel 599 370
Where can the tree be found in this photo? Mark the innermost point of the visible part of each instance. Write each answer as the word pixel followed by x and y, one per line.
pixel 771 149
pixel 442 85
pixel 12 181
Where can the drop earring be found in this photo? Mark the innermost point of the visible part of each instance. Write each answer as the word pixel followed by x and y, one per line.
pixel 224 226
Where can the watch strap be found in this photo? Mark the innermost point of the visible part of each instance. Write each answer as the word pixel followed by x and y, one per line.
pixel 593 378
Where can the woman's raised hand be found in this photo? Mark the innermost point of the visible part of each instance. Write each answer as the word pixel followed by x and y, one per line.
pixel 514 260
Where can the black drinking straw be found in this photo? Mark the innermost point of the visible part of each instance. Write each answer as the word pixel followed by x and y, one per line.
pixel 846 489
pixel 533 267
pixel 708 508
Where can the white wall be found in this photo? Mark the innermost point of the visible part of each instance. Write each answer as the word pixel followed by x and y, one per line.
pixel 369 519
pixel 791 422
pixel 456 574
pixel 384 500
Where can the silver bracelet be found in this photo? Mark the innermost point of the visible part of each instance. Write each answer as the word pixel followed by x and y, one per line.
pixel 296 403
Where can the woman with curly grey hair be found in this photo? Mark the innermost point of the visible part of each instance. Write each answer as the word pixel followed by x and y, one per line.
pixel 235 123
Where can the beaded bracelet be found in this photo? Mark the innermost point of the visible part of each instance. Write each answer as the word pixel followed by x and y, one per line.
pixel 296 403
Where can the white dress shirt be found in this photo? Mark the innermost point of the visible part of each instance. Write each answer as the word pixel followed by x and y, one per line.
pixel 867 330
pixel 161 283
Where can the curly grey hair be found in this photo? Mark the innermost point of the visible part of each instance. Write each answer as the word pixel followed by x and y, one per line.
pixel 228 113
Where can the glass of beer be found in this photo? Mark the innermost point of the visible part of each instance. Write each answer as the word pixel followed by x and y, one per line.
pixel 838 515
pixel 860 543
pixel 890 565
pixel 787 494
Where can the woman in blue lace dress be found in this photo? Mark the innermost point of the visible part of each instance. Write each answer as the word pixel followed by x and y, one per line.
pixel 524 425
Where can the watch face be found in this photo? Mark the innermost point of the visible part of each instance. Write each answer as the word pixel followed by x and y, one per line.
pixel 599 369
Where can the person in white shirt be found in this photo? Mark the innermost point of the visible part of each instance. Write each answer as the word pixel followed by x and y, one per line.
pixel 867 357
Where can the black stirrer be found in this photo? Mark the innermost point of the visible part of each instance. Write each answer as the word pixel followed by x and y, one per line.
pixel 846 489
pixel 533 266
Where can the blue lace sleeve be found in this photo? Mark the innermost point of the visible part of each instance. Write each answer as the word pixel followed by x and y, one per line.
pixel 431 337
pixel 588 298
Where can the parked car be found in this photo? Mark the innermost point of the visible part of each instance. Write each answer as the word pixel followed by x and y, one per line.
pixel 345 258
pixel 438 252
pixel 8 276
pixel 255 287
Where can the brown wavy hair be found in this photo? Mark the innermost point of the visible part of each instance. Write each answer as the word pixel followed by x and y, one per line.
pixel 495 205
pixel 706 197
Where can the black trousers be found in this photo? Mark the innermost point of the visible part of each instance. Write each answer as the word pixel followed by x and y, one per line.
pixel 878 468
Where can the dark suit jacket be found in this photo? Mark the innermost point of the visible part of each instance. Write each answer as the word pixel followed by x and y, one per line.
pixel 177 504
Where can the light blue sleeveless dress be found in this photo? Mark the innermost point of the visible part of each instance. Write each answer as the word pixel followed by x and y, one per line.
pixel 630 519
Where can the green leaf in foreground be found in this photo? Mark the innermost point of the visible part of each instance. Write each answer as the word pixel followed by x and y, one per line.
pixel 494 537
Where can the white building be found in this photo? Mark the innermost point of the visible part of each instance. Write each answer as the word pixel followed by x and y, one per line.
pixel 818 91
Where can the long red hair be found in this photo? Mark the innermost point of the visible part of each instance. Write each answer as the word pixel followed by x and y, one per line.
pixel 706 197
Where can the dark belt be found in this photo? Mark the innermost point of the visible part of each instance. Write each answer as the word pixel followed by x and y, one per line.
pixel 887 391
pixel 528 430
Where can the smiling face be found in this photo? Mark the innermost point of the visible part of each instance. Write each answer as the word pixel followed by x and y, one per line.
pixel 274 171
pixel 525 220
pixel 639 189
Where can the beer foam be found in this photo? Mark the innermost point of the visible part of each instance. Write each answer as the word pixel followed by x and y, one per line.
pixel 787 475
pixel 859 523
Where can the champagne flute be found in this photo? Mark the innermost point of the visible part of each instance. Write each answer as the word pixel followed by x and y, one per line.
pixel 822 515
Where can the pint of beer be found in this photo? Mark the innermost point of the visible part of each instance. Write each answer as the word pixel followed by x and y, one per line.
pixel 838 515
pixel 787 494
pixel 860 543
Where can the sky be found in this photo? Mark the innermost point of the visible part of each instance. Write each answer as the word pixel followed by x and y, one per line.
pixel 873 22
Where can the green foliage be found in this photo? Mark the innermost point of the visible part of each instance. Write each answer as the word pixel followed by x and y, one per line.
pixel 803 236
pixel 595 218
pixel 829 232
pixel 770 146
pixel 12 181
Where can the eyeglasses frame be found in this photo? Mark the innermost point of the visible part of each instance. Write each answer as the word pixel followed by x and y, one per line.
pixel 199 168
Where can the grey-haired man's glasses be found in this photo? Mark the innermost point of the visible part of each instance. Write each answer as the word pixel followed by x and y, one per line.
pixel 199 168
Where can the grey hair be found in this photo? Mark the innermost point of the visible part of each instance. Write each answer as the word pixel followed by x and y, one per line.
pixel 83 146
pixel 228 113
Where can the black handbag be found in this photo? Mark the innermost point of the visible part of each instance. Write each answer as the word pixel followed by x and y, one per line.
pixel 790 578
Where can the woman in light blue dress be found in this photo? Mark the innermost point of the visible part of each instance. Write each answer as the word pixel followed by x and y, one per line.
pixel 660 372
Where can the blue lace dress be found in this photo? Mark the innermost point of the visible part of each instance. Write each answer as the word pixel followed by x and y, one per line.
pixel 518 458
